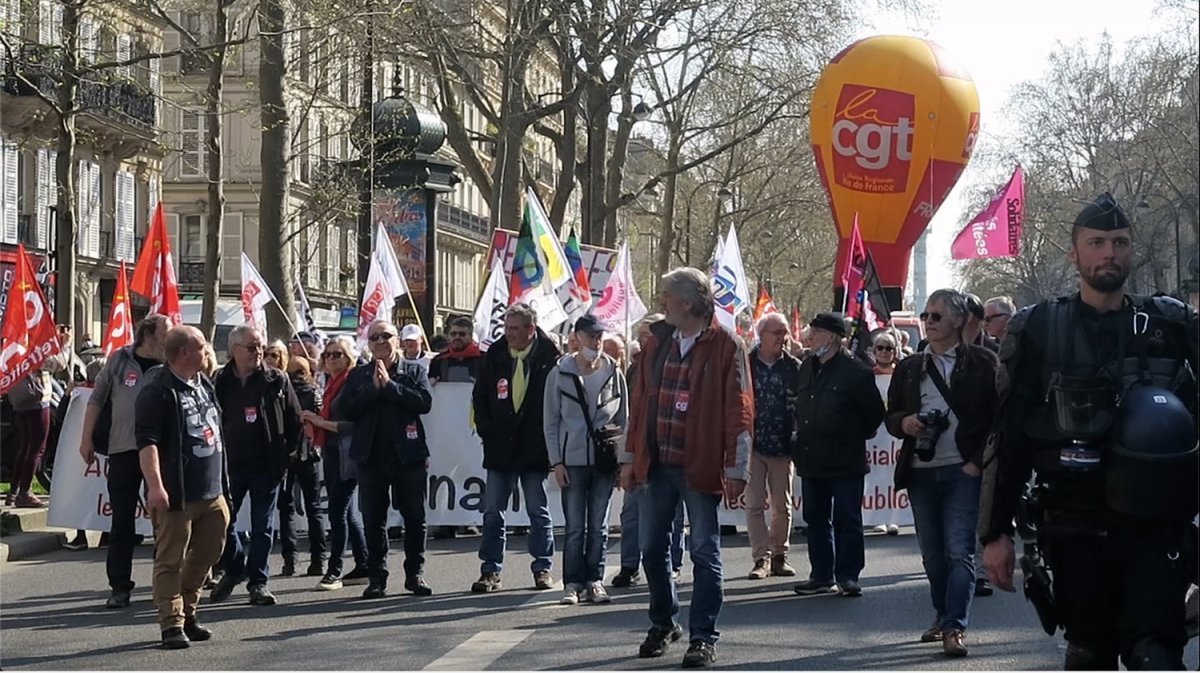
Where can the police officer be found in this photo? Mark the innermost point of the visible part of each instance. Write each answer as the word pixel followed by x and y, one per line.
pixel 1085 382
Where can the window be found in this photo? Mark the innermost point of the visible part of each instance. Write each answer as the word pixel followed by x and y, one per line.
pixel 191 239
pixel 10 165
pixel 231 249
pixel 193 23
pixel 333 257
pixel 124 53
pixel 10 23
pixel 50 22
pixel 89 38
pixel 193 156
pixel 88 243
pixel 46 196
pixel 123 218
pixel 312 254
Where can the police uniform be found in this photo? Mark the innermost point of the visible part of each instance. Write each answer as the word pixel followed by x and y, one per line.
pixel 1070 387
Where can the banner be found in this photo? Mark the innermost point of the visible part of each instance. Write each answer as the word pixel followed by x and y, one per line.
pixel 984 236
pixel 489 314
pixel 731 290
pixel 598 263
pixel 403 214
pixel 456 476
pixel 620 306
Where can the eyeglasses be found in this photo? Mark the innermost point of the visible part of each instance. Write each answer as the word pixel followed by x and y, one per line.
pixel 253 348
pixel 381 336
pixel 995 316
pixel 931 317
pixel 889 349
pixel 332 355
pixel 272 354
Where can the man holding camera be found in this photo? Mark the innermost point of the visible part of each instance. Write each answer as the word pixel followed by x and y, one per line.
pixel 941 403
pixel 838 408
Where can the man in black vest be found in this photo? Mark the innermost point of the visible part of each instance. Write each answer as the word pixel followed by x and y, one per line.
pixel 1112 520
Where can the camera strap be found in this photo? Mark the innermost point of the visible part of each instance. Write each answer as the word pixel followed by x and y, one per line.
pixel 584 404
pixel 935 375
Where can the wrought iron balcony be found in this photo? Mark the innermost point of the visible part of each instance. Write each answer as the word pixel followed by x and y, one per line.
pixel 117 98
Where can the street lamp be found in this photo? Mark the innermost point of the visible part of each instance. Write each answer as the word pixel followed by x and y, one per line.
pixel 1142 208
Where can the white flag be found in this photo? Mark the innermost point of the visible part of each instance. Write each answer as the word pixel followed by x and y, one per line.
pixel 304 312
pixel 620 306
pixel 255 295
pixel 489 314
pixel 385 282
pixel 731 290
pixel 390 265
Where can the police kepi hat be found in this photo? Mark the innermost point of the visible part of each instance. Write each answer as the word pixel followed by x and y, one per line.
pixel 1103 214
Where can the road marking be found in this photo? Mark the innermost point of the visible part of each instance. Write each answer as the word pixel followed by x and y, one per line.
pixel 479 651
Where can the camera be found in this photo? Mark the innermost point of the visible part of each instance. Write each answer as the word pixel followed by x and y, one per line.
pixel 936 421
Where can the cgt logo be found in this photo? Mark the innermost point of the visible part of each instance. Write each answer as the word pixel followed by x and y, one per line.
pixel 873 138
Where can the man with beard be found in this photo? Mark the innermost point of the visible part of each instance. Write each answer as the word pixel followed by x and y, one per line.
pixel 459 363
pixel 1116 484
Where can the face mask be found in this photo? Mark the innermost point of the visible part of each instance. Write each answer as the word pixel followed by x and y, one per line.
pixel 823 350
pixel 589 354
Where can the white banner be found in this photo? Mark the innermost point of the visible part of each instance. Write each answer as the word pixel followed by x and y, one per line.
pixel 456 476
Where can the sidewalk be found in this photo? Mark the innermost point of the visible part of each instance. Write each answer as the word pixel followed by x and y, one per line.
pixel 25 534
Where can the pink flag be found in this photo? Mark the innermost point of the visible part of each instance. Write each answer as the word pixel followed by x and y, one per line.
pixel 996 232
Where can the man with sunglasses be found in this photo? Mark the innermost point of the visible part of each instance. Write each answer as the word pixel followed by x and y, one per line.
pixel 997 311
pixel 1098 398
pixel 460 362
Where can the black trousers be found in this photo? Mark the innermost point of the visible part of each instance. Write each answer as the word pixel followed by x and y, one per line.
pixel 306 475
pixel 380 486
pixel 125 493
pixel 1120 594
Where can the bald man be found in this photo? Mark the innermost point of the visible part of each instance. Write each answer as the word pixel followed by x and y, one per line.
pixel 182 456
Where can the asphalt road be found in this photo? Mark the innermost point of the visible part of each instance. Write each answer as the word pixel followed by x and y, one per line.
pixel 52 617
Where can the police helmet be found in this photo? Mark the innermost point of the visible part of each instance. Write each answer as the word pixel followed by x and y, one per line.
pixel 1153 468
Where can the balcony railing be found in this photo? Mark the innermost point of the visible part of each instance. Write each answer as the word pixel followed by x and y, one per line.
pixel 117 98
pixel 191 272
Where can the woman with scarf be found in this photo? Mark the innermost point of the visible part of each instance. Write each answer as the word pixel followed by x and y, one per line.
pixel 332 433
pixel 303 472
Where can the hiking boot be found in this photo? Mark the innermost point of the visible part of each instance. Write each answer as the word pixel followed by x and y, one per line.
pixel 376 589
pixel 700 655
pixel 954 643
pixel 626 577
pixel 571 595
pixel 196 631
pixel 175 639
pixel 933 634
pixel 357 576
pixel 761 570
pixel 329 582
pixel 486 584
pixel 224 588
pixel 316 568
pixel 658 640
pixel 849 589
pixel 261 595
pixel 983 587
pixel 542 580
pixel 119 599
pixel 780 567
pixel 597 594
pixel 418 586
pixel 288 569
pixel 813 587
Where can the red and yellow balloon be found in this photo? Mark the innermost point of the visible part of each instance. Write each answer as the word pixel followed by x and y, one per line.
pixel 894 123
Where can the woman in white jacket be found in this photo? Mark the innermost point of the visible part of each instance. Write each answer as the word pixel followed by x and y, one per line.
pixel 586 404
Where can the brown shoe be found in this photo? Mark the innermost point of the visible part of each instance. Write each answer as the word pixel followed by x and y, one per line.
pixel 780 567
pixel 954 643
pixel 759 572
pixel 933 634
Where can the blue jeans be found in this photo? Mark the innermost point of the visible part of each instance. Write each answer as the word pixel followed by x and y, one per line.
pixel 661 495
pixel 833 512
pixel 251 564
pixel 631 549
pixel 585 503
pixel 497 496
pixel 945 505
pixel 345 525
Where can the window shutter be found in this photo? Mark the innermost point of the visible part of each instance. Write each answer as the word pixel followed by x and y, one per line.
pixel 45 21
pixel 8 191
pixel 124 53
pixel 152 199
pixel 231 249
pixel 124 215
pixel 93 210
pixel 172 237
pixel 333 257
pixel 82 189
pixel 89 36
pixel 10 22
pixel 45 196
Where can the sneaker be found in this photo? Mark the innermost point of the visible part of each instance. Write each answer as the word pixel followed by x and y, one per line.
pixel 261 595
pixel 79 543
pixel 597 594
pixel 893 529
pixel 418 586
pixel 983 587
pixel 213 579
pixel 813 587
pixel 376 589
pixel 780 567
pixel 542 580
pixel 700 655
pixel 194 630
pixel 849 589
pixel 675 574
pixel 119 599
pixel 658 640
pixel 329 582
pixel 316 568
pixel 761 570
pixel 224 588
pixel 881 528
pixel 571 595
pixel 486 584
pixel 954 643
pixel 175 639
pixel 626 577
pixel 357 576
pixel 933 634
pixel 288 569
pixel 29 501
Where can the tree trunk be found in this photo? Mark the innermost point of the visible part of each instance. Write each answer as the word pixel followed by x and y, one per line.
pixel 599 106
pixel 214 103
pixel 66 226
pixel 666 240
pixel 274 259
pixel 507 176
pixel 616 170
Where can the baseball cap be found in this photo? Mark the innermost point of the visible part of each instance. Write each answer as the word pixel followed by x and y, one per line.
pixel 410 333
pixel 590 325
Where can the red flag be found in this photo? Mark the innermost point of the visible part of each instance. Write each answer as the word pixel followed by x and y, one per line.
pixel 797 325
pixel 154 275
pixel 984 235
pixel 857 262
pixel 120 318
pixel 28 332
pixel 764 305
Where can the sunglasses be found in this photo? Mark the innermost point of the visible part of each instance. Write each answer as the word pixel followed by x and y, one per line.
pixel 931 317
pixel 253 348
pixel 994 316
pixel 381 336
pixel 332 355
pixel 889 349
pixel 272 354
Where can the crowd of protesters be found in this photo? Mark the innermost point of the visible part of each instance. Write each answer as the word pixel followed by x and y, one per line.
pixel 684 418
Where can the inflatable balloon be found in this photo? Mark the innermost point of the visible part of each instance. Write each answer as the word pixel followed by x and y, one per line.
pixel 893 124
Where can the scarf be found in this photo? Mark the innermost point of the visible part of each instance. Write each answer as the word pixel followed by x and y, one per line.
pixel 471 351
pixel 332 388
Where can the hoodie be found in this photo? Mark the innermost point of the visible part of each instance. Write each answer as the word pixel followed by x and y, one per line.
pixel 567 439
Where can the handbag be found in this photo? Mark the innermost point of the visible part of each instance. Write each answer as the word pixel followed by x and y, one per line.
pixel 604 440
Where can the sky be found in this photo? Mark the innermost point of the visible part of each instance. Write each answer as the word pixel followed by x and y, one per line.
pixel 1003 43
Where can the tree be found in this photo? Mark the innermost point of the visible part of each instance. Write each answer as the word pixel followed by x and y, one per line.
pixel 272 69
